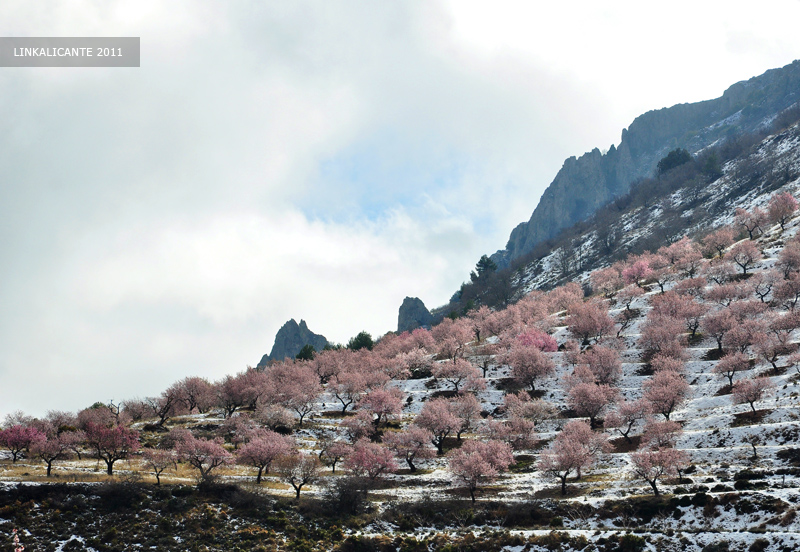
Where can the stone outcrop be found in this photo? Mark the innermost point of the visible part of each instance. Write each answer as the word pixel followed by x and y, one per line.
pixel 594 179
pixel 290 339
pixel 413 314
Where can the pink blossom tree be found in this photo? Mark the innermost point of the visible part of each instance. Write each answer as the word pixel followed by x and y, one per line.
pixel 718 241
pixel 411 444
pixel 751 221
pixel 49 448
pixel 590 399
pixel 18 438
pixel 528 364
pixel 477 462
pixel 666 391
pixel 459 372
pixel 202 454
pixel 717 324
pixel 369 460
pixel 651 465
pixel 662 335
pixel 521 405
pixel 159 460
pixel 637 272
pixel 789 258
pixel 605 364
pixel 658 435
pixel 746 254
pixel 751 390
pixel 589 320
pixel 451 336
pixel 437 417
pixel 534 337
pixel 383 403
pixel 111 443
pixel 298 470
pixel 517 431
pixel 332 451
pixel 606 280
pixel 787 292
pixel 359 426
pixel 261 451
pixel 467 409
pixel 781 208
pixel 572 450
pixel 626 415
pixel 295 386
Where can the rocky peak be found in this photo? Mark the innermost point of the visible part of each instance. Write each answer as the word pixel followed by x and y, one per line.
pixel 413 314
pixel 290 339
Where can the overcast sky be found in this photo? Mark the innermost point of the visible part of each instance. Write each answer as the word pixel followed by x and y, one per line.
pixel 315 160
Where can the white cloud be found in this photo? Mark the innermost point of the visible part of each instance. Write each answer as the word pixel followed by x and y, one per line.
pixel 317 160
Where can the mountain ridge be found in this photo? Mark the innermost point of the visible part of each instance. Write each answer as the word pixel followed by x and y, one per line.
pixel 586 183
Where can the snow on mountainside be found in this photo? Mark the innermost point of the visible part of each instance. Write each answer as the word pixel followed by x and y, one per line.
pixel 742 185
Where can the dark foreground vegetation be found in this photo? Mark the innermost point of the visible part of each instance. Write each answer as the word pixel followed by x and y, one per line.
pixel 129 515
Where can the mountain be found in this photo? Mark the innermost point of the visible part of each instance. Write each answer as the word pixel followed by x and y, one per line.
pixel 412 315
pixel 585 184
pixel 290 339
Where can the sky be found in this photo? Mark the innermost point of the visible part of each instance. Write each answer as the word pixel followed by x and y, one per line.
pixel 309 160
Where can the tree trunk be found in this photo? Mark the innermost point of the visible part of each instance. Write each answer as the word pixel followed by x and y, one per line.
pixel 655 489
pixel 49 465
pixel 110 464
pixel 411 466
pixel 563 485
pixel 258 477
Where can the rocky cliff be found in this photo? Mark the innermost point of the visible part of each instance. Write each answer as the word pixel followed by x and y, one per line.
pixel 413 314
pixel 594 179
pixel 290 339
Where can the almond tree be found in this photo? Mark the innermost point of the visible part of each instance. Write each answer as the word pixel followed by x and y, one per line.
pixel 467 409
pixel 369 460
pixel 202 454
pixel 590 399
pixel 666 391
pixel 639 270
pixel 411 444
pixel 261 451
pixel 477 462
pixel 295 386
pixel 331 452
pixel 658 435
pixel 298 470
pixel 588 321
pixel 534 337
pixel 232 394
pixel 457 372
pixel 606 280
pixel 787 292
pixel 604 363
pixel 528 364
pixel 751 390
pixel 718 241
pixel 781 208
pixel 789 258
pixel 18 438
pixel 731 364
pixel 567 455
pixel 717 324
pixel 383 404
pixel 651 465
pixel 626 415
pixel 196 393
pixel 520 404
pixel 111 443
pixel 49 448
pixel 662 335
pixel 745 254
pixel 359 426
pixel 159 460
pixel 752 222
pixel 516 431
pixel 451 336
pixel 437 418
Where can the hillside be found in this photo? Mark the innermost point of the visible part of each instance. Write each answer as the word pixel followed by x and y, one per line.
pixel 521 381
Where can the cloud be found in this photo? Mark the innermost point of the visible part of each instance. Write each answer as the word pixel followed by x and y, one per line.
pixel 316 160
